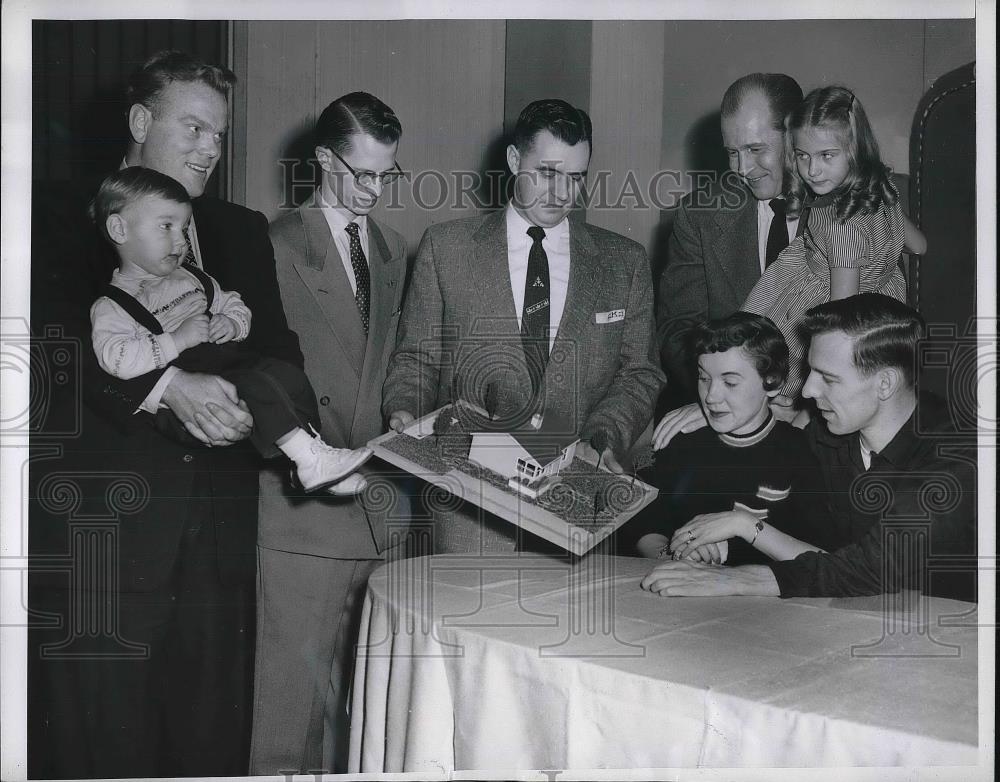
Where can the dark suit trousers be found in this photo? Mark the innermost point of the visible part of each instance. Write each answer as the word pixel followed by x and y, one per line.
pixel 180 708
pixel 278 394
pixel 279 397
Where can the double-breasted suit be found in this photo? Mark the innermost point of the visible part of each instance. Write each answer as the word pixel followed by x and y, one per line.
pixel 316 552
pixel 459 319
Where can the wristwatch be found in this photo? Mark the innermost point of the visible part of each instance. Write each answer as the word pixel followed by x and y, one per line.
pixel 759 526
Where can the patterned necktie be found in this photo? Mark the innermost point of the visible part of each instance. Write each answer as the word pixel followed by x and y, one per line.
pixel 361 276
pixel 535 315
pixel 189 253
pixel 777 235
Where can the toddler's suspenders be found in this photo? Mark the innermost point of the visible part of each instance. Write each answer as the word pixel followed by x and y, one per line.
pixel 130 304
pixel 206 284
pixel 144 317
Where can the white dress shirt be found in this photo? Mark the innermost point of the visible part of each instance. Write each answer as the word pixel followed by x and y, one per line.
pixel 764 216
pixel 556 246
pixel 866 453
pixel 338 219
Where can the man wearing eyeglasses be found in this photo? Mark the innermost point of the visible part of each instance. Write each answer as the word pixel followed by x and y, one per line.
pixel 523 311
pixel 341 277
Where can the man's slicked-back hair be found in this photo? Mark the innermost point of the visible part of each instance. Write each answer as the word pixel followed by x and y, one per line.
pixel 885 331
pixel 166 67
pixel 356 112
pixel 781 92
pixel 567 123
pixel 758 338
pixel 129 185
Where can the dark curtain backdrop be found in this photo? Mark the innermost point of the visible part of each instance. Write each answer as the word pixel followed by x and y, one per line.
pixel 79 71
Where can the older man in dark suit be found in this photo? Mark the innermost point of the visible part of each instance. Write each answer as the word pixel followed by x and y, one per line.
pixel 150 672
pixel 524 310
pixel 725 236
pixel 341 276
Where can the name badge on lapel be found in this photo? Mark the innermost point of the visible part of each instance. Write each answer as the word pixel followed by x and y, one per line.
pixel 609 317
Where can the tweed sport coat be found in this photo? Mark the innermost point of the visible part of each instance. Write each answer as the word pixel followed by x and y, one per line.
pixel 347 376
pixel 459 319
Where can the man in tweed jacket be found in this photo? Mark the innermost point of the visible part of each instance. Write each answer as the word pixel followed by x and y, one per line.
pixel 463 330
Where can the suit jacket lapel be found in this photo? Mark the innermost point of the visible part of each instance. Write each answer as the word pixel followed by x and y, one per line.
pixel 323 275
pixel 385 278
pixel 489 269
pixel 737 233
pixel 585 274
pixel 383 282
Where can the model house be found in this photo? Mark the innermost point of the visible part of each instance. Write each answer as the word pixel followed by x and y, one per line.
pixel 529 454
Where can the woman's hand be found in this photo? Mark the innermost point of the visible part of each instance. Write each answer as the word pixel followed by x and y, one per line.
pixel 683 420
pixel 709 553
pixel 712 528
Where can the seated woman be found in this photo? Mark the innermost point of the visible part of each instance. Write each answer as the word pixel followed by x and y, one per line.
pixel 746 488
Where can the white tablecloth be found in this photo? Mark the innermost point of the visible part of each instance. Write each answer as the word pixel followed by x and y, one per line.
pixel 528 663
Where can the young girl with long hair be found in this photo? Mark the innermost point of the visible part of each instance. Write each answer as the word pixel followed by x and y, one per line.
pixel 855 229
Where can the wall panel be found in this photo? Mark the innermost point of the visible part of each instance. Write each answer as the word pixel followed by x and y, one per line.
pixel 444 79
pixel 625 97
pixel 79 72
pixel 546 58
pixel 280 87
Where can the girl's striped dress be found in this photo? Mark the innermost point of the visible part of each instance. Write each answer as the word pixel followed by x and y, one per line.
pixel 800 277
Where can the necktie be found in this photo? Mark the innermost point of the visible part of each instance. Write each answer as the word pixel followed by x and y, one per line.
pixel 777 235
pixel 535 315
pixel 361 276
pixel 189 253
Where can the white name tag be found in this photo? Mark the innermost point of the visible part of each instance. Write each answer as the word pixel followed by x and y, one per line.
pixel 609 317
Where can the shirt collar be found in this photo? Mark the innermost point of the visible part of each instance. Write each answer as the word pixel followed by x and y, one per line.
pixel 904 445
pixel 518 226
pixel 135 273
pixel 752 438
pixel 899 451
pixel 337 217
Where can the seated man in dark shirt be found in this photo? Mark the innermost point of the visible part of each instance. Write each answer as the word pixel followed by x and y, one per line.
pixel 720 485
pixel 894 465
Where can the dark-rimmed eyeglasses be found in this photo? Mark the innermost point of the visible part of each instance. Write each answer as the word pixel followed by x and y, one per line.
pixel 369 178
